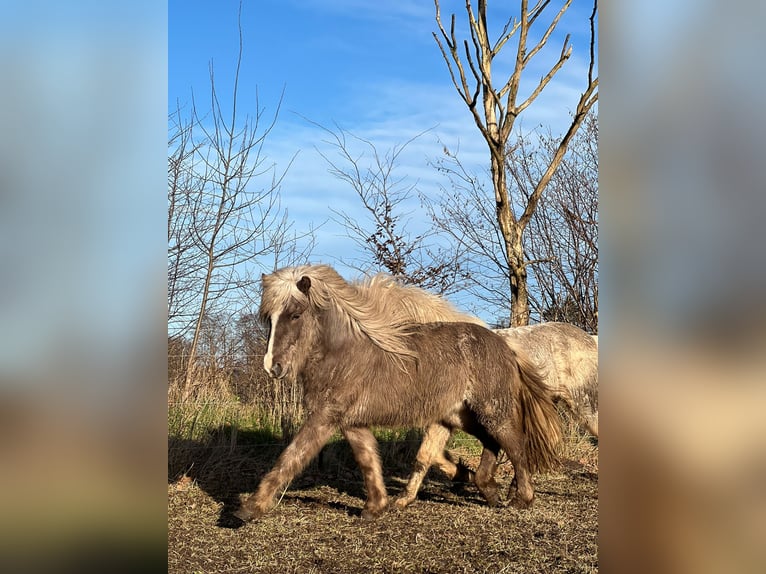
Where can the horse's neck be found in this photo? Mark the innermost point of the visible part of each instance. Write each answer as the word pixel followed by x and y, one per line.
pixel 330 360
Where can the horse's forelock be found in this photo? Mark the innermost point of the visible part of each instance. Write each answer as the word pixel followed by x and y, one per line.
pixel 316 286
pixel 279 289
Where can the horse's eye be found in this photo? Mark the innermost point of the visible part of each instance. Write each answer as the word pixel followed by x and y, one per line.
pixel 295 316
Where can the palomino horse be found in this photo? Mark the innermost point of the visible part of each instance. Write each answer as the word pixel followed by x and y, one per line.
pixel 359 368
pixel 568 358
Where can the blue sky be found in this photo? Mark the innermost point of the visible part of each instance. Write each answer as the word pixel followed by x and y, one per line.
pixel 373 69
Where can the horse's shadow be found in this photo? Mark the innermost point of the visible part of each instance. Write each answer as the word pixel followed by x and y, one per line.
pixel 230 463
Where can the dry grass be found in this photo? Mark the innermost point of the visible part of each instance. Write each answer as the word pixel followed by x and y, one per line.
pixel 221 443
pixel 317 528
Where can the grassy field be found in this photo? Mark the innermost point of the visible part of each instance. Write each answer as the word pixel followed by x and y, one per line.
pixel 219 449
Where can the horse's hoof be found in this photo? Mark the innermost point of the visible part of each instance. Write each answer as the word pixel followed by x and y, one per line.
pixel 401 503
pixel 244 514
pixel 463 474
pixel 518 502
pixel 490 494
pixel 371 514
pixel 248 512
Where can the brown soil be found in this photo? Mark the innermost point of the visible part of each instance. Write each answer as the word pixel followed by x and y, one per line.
pixel 317 528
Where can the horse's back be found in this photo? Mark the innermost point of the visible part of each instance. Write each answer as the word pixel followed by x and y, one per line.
pixel 459 351
pixel 470 340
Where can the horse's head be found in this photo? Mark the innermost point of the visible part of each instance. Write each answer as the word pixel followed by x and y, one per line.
pixel 290 332
pixel 311 310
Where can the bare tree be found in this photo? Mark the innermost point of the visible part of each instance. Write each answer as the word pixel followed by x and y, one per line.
pixel 224 215
pixel 495 108
pixel 560 242
pixel 562 237
pixel 185 263
pixel 462 213
pixel 385 235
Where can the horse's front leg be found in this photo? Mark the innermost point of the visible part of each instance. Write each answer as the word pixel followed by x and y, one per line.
pixel 365 448
pixel 431 449
pixel 304 447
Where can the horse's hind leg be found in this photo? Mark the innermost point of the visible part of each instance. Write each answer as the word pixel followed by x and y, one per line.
pixel 431 452
pixel 484 478
pixel 455 472
pixel 431 449
pixel 521 493
pixel 485 474
pixel 365 448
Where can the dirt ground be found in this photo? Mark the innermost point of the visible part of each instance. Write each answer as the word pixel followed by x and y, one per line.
pixel 317 528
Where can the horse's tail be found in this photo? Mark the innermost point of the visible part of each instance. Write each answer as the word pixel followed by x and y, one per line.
pixel 540 421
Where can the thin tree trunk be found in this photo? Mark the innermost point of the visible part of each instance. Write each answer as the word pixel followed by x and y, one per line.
pixel 514 250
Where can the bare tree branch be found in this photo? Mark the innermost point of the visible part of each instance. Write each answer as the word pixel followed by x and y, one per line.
pixel 500 109
pixel 384 235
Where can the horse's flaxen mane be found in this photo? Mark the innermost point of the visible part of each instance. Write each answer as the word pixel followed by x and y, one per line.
pixel 379 307
pixel 408 304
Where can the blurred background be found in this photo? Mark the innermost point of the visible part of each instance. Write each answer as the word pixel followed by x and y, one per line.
pixel 682 324
pixel 82 311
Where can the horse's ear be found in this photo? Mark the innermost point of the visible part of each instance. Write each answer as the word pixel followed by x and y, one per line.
pixel 304 284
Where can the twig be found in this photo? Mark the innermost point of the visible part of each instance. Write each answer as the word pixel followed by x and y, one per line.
pixel 283 494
